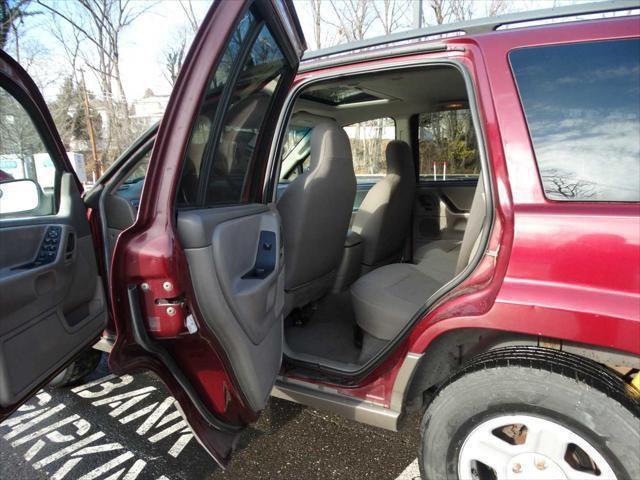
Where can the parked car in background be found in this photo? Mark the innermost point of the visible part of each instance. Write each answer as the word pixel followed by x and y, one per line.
pixel 5 176
pixel 485 268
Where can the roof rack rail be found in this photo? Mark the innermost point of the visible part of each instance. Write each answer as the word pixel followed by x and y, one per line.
pixel 481 25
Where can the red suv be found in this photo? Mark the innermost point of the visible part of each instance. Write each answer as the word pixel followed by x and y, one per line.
pixel 445 219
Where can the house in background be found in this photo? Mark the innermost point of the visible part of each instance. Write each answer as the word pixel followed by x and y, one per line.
pixel 150 108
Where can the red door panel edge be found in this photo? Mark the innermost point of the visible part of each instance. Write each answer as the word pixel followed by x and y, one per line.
pixel 149 252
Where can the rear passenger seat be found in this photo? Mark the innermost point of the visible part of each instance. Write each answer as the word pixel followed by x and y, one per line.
pixel 439 258
pixel 386 299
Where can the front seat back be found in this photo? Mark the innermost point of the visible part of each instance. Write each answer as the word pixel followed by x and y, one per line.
pixel 385 214
pixel 315 210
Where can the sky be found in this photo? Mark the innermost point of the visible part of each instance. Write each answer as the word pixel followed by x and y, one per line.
pixel 143 44
pixel 141 51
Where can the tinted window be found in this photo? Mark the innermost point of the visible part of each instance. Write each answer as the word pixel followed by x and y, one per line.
pixel 295 135
pixel 218 160
pixel 369 141
pixel 23 155
pixel 582 104
pixel 295 153
pixel 447 145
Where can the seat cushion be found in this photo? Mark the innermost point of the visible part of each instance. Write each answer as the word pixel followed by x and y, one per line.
pixel 387 298
pixel 438 259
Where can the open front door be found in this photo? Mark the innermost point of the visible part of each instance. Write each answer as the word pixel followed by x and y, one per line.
pixel 197 282
pixel 52 303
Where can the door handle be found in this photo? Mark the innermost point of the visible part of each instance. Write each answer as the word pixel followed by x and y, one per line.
pixel 265 257
pixel 71 246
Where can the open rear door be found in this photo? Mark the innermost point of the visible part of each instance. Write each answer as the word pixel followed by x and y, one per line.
pixel 52 303
pixel 197 282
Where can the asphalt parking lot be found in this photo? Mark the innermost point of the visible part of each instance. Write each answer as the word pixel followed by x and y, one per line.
pixel 128 428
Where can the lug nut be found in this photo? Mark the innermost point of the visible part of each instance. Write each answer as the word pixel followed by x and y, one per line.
pixel 145 286
pixel 167 286
pixel 517 468
pixel 541 465
pixel 171 311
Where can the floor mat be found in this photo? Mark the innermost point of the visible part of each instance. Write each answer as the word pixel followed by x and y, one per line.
pixel 329 331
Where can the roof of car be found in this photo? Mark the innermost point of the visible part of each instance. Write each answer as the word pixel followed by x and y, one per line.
pixel 406 42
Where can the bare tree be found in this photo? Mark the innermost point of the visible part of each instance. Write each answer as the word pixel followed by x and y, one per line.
pixel 18 136
pixel 441 10
pixel 461 10
pixel 354 18
pixel 392 14
pixel 175 50
pixel 564 185
pixel 11 18
pixel 447 11
pixel 192 18
pixel 102 22
pixel 496 7
pixel 173 57
pixel 96 28
pixel 316 13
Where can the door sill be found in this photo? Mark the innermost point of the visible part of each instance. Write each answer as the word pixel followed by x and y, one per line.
pixel 320 397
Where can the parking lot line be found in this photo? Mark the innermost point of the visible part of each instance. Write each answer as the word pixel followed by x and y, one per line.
pixel 412 472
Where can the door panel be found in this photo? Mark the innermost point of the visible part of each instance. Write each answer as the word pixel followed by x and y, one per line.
pixel 238 283
pixel 195 282
pixel 442 209
pixel 52 302
pixel 51 297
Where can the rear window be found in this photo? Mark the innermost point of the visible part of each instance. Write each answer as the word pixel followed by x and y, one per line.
pixel 447 145
pixel 582 105
pixel 369 142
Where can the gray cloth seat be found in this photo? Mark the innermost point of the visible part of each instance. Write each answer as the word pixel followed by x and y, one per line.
pixel 439 258
pixel 315 210
pixel 385 213
pixel 386 299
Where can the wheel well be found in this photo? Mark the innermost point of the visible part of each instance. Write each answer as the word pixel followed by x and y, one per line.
pixel 448 352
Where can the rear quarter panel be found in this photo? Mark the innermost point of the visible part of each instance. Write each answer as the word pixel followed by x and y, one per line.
pixel 572 271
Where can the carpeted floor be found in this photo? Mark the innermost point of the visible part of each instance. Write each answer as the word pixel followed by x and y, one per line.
pixel 329 331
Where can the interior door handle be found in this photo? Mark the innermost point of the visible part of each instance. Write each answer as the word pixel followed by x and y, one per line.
pixel 265 257
pixel 71 245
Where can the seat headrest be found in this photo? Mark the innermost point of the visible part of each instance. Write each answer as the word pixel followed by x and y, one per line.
pixel 399 159
pixel 329 142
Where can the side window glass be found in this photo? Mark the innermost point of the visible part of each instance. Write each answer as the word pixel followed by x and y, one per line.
pixel 295 137
pixel 369 141
pixel 447 145
pixel 27 172
pixel 300 169
pixel 582 106
pixel 295 153
pixel 138 174
pixel 220 159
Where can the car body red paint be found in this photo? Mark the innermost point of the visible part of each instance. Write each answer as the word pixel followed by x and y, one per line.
pixel 568 271
pixel 564 271
pixel 555 273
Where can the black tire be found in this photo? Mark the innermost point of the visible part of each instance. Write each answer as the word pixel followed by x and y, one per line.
pixel 569 390
pixel 84 364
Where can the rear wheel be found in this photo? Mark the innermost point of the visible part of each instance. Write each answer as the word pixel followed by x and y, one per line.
pixel 530 413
